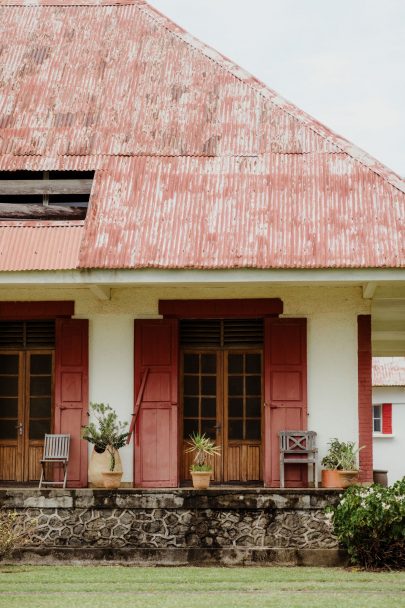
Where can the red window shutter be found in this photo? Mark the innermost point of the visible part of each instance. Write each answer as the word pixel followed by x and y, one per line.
pixel 71 393
pixel 156 389
pixel 387 418
pixel 285 390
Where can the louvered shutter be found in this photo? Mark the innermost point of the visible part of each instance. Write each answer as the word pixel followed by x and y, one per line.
pixel 71 393
pixel 285 389
pixel 156 390
pixel 386 411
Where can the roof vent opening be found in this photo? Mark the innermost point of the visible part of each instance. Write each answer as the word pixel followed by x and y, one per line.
pixel 44 195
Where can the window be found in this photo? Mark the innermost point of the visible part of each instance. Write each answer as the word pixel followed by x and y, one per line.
pixel 382 418
pixel 377 419
pixel 44 195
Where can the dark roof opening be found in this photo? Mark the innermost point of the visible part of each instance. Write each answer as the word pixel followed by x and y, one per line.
pixel 44 195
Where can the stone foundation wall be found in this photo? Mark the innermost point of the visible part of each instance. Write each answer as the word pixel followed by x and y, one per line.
pixel 216 523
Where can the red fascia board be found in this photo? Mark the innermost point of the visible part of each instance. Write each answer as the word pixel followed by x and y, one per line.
pixel 214 309
pixel 23 311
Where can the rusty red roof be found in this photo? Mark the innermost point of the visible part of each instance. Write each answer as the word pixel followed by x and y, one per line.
pixel 388 371
pixel 198 164
pixel 32 245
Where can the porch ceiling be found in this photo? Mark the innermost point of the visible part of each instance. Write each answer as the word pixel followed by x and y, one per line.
pixel 388 321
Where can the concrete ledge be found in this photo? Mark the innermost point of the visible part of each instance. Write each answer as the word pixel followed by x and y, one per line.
pixel 234 556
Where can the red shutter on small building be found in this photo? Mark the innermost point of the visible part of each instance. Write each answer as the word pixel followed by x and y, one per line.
pixel 285 389
pixel 386 411
pixel 156 391
pixel 71 393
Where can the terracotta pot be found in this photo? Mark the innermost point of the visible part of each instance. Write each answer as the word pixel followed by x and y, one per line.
pixel 332 478
pixel 112 479
pixel 348 478
pixel 99 462
pixel 201 479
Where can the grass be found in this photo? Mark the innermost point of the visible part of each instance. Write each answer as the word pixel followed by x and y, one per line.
pixel 120 586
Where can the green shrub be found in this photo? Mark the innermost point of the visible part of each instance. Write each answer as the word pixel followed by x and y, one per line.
pixel 370 524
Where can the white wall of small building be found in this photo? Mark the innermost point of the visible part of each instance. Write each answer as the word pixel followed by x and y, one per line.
pixel 331 314
pixel 389 450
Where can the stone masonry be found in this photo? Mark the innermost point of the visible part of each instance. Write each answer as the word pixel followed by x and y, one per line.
pixel 180 525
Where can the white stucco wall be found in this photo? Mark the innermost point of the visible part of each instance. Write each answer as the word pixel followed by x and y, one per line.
pixel 332 344
pixel 389 451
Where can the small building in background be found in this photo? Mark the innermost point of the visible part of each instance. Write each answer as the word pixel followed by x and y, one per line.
pixel 389 416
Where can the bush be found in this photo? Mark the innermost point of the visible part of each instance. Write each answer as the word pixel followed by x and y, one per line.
pixel 370 524
pixel 12 534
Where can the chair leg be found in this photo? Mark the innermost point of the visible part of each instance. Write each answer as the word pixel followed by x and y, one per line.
pixel 65 464
pixel 41 479
pixel 281 472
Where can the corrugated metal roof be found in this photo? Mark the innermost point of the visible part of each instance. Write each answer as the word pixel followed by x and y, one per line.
pixel 39 245
pixel 198 163
pixel 388 371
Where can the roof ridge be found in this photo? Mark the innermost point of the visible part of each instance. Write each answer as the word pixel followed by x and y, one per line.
pixel 273 97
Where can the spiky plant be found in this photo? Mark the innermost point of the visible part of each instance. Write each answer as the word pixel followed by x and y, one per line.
pixel 202 447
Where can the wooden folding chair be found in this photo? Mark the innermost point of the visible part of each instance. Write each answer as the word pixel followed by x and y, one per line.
pixel 298 447
pixel 56 450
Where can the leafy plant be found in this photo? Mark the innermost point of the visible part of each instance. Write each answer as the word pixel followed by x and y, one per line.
pixel 13 534
pixel 342 455
pixel 107 433
pixel 370 524
pixel 202 447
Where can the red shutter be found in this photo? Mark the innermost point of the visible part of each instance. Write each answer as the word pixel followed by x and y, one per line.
pixel 156 389
pixel 285 389
pixel 387 418
pixel 71 393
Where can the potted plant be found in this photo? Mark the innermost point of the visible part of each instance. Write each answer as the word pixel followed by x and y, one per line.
pixel 341 469
pixel 108 435
pixel 203 449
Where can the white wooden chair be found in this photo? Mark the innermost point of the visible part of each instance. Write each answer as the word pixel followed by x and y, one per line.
pixel 298 447
pixel 56 450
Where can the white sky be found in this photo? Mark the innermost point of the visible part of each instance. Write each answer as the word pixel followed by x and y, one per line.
pixel 342 61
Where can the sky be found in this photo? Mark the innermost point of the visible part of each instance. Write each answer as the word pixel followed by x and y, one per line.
pixel 342 61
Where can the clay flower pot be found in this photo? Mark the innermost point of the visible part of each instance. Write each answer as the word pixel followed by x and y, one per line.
pixel 99 462
pixel 112 479
pixel 201 479
pixel 333 478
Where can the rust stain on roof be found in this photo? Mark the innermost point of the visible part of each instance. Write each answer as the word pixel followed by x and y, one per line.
pixel 388 371
pixel 198 164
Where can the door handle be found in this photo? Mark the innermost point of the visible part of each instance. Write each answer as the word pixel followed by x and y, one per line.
pixel 20 428
pixel 217 427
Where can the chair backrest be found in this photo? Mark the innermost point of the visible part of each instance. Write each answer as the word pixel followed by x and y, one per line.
pixel 300 442
pixel 56 446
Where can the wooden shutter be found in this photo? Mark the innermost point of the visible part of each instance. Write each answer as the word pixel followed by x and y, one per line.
pixel 285 390
pixel 156 383
pixel 386 415
pixel 71 393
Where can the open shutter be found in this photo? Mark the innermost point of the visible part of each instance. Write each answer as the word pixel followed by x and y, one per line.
pixel 71 393
pixel 386 412
pixel 156 392
pixel 285 390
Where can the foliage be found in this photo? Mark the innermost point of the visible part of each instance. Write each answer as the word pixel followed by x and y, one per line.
pixel 107 433
pixel 370 523
pixel 12 534
pixel 202 447
pixel 342 455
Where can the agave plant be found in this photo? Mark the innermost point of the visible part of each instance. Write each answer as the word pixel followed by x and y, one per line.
pixel 202 447
pixel 342 455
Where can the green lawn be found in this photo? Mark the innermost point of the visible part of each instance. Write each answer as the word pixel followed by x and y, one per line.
pixel 121 586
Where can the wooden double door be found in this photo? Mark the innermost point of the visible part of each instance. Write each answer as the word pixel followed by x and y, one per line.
pixel 26 411
pixel 222 396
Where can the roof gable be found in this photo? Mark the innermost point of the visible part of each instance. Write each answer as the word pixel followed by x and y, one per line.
pixel 116 85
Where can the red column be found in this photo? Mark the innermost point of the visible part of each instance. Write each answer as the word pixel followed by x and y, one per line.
pixel 364 397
